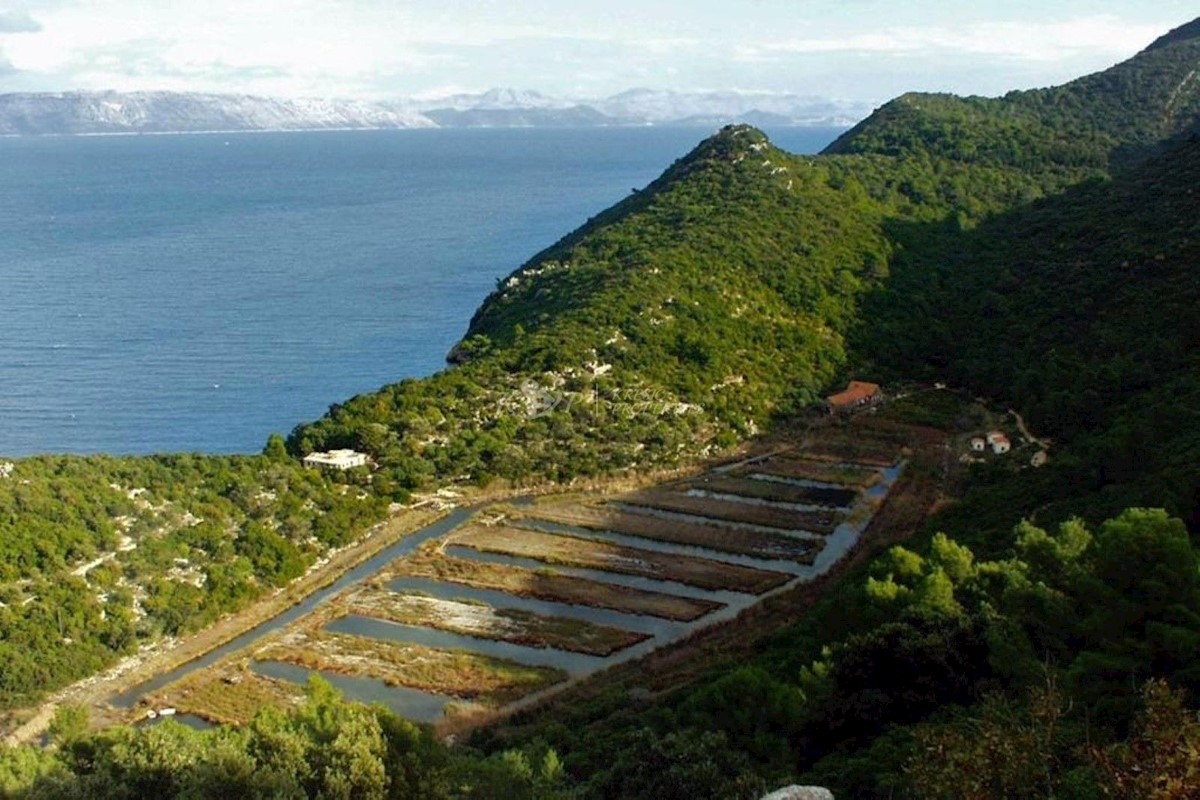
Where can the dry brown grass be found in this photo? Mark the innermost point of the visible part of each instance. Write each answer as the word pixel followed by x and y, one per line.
pixel 470 676
pixel 791 466
pixel 725 538
pixel 503 624
pixel 575 551
pixel 551 586
pixel 733 511
pixel 775 491
pixel 225 696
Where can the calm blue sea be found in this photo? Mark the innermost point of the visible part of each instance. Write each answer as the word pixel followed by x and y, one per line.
pixel 167 293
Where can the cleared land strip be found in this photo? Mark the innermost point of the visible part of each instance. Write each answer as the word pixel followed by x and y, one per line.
pixel 486 622
pixel 725 538
pixel 787 466
pixel 733 511
pixel 853 447
pixel 470 676
pixel 775 491
pixel 548 585
pixel 574 551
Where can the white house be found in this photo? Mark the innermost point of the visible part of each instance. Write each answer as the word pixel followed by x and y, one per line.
pixel 999 442
pixel 336 459
pixel 978 444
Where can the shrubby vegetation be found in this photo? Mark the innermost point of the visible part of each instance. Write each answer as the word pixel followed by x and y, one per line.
pixel 1038 248
pixel 100 555
pixel 721 296
pixel 680 321
pixel 1042 671
pixel 326 748
pixel 1054 660
pixel 1090 124
pixel 1078 310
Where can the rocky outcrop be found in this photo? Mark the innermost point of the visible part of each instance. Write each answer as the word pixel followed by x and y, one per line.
pixel 801 793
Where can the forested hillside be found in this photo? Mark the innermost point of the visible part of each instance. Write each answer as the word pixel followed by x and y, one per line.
pixel 993 657
pixel 682 297
pixel 100 556
pixel 1091 124
pixel 1080 311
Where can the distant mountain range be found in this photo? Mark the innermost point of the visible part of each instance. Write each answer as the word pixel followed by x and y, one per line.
pixel 84 113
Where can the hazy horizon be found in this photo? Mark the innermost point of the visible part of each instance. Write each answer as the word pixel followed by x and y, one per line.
pixel 862 51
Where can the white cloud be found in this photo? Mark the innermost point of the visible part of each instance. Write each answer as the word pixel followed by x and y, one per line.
pixel 18 22
pixel 1028 41
pixel 374 48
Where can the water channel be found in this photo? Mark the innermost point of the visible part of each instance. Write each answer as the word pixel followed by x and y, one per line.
pixel 429 707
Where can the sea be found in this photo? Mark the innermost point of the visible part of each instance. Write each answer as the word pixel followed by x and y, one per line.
pixel 199 292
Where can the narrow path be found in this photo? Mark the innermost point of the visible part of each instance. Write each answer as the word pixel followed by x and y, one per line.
pixel 1026 433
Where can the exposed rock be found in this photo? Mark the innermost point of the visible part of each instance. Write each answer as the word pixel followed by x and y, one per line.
pixel 800 793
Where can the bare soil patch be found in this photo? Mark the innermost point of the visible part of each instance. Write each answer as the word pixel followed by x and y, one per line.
pixel 470 676
pixel 775 491
pixel 733 511
pixel 725 538
pixel 500 624
pixel 549 585
pixel 591 554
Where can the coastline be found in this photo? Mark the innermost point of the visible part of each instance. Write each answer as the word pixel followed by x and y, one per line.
pixel 95 691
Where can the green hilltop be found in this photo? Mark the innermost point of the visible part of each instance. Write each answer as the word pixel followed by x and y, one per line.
pixel 1088 125
pixel 737 287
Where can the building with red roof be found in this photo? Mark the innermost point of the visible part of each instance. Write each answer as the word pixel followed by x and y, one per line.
pixel 856 395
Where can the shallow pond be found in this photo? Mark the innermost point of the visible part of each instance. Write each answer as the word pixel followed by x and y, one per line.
pixel 573 663
pixel 429 707
pixel 442 590
pixel 412 704
pixel 658 546
pixel 365 570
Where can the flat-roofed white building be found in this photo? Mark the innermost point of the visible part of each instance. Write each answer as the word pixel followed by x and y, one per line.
pixel 336 459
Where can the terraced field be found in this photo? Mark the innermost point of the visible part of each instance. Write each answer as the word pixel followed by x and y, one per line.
pixel 793 467
pixel 575 551
pixel 746 513
pixel 858 447
pixel 227 696
pixel 775 491
pixel 552 586
pixel 470 676
pixel 714 536
pixel 501 603
pixel 487 622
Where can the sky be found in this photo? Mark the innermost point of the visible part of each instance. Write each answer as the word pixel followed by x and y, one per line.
pixel 861 50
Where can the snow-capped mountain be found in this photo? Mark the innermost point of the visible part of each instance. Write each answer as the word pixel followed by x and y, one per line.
pixel 661 107
pixel 492 100
pixel 178 112
pixel 513 108
pixel 185 112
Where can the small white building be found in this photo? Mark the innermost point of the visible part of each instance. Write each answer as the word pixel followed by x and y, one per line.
pixel 1039 458
pixel 978 444
pixel 336 459
pixel 999 442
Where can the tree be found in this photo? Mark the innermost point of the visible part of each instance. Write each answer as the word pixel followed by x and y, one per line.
pixel 686 764
pixel 70 723
pixel 1161 761
pixel 276 448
